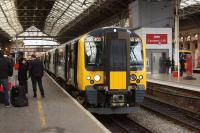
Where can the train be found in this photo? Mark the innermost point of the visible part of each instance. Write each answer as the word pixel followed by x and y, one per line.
pixel 105 67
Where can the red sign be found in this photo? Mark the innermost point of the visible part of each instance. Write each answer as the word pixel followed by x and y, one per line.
pixel 156 39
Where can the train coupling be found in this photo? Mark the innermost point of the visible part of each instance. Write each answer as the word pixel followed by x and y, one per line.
pixel 117 100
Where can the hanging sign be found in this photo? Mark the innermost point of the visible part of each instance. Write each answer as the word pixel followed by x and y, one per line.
pixel 156 39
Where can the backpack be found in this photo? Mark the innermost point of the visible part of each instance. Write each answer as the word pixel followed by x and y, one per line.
pixel 18 96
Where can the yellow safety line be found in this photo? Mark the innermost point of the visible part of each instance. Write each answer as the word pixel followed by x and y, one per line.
pixel 41 113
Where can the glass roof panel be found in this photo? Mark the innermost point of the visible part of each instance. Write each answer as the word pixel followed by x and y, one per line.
pixel 8 18
pixel 40 43
pixel 63 12
pixel 34 37
pixel 188 7
pixel 186 3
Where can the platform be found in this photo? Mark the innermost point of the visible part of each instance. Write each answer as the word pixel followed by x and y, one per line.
pixel 196 70
pixel 167 79
pixel 56 113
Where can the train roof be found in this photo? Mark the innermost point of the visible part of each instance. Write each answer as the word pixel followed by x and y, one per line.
pixel 100 31
pixel 108 29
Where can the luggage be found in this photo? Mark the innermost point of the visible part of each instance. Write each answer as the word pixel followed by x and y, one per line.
pixel 18 96
pixel 1 97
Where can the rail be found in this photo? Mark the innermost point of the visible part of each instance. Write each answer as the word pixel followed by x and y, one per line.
pixel 175 102
pixel 122 124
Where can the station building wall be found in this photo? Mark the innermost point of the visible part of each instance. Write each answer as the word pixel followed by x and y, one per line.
pixel 190 40
pixel 153 21
pixel 159 47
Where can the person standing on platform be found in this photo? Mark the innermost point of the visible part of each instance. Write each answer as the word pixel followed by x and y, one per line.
pixel 22 73
pixel 168 64
pixel 182 66
pixel 5 71
pixel 36 71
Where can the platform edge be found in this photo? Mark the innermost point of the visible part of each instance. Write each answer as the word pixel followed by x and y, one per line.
pixel 81 107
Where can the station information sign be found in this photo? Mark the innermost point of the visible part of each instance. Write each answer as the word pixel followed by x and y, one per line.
pixel 156 39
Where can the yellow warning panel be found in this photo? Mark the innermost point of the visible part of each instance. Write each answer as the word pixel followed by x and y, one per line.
pixel 117 80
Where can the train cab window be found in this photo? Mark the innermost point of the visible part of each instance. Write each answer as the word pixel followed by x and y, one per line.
pixel 93 51
pixel 136 54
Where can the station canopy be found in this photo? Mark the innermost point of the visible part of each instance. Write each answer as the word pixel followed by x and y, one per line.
pixel 34 37
pixel 189 7
pixel 63 12
pixel 53 17
pixel 8 18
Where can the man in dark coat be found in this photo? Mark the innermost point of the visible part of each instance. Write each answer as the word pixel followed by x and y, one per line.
pixel 182 66
pixel 168 64
pixel 5 71
pixel 22 73
pixel 36 71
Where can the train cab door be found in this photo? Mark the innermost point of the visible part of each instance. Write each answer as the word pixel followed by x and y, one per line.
pixel 67 67
pixel 117 66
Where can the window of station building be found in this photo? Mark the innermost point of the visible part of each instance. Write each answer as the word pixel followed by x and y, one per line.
pixel 196 45
pixel 188 46
pixel 181 46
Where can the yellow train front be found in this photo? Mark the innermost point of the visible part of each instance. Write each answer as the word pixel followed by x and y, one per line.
pixel 111 70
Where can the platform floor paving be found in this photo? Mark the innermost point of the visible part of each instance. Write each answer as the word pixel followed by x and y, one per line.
pixel 168 79
pixel 56 113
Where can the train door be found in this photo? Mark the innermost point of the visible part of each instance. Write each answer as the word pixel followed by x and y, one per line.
pixel 75 62
pixel 117 60
pixel 69 64
pixel 56 61
pixel 49 61
pixel 67 54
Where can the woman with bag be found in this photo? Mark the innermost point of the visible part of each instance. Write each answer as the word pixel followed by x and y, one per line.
pixel 22 73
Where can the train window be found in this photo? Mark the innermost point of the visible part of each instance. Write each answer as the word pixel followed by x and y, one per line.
pixel 136 54
pixel 93 51
pixel 61 59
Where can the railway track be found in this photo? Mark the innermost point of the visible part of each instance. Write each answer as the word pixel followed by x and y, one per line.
pixel 178 115
pixel 176 103
pixel 121 124
pixel 115 123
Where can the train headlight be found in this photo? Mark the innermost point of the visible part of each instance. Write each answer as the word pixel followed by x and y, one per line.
pixel 97 78
pixel 141 77
pixel 88 77
pixel 133 77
